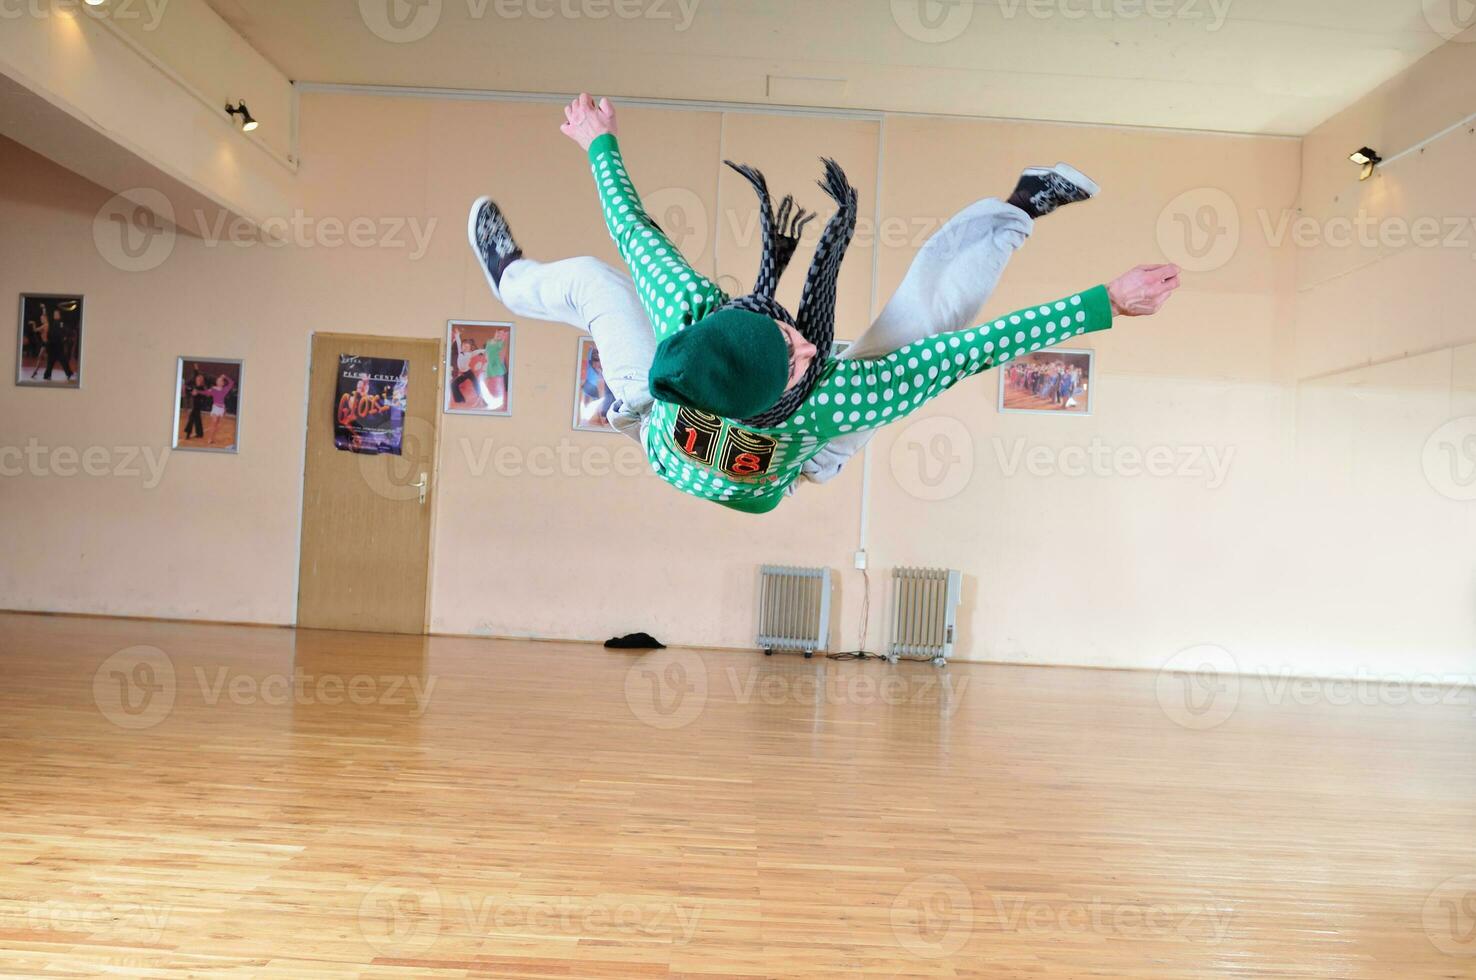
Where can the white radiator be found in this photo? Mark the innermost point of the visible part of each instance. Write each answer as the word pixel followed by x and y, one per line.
pixel 794 609
pixel 924 613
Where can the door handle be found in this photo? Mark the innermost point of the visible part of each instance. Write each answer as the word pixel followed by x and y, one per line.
pixel 421 485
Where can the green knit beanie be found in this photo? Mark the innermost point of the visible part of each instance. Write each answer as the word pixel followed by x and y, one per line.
pixel 733 363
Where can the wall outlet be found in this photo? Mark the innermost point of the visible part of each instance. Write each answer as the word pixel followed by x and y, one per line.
pixel 861 560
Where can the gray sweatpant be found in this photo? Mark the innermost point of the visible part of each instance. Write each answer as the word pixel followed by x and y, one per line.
pixel 953 275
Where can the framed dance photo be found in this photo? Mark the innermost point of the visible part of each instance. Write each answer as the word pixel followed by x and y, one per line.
pixel 592 397
pixel 207 405
pixel 48 350
pixel 1048 382
pixel 479 368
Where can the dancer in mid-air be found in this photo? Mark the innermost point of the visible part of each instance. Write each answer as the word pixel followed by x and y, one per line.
pixel 735 399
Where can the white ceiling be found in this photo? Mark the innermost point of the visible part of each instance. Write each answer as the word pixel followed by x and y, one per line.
pixel 1251 66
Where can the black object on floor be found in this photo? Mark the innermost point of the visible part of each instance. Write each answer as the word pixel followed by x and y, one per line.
pixel 635 641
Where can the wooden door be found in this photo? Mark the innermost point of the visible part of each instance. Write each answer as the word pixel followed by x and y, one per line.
pixel 366 518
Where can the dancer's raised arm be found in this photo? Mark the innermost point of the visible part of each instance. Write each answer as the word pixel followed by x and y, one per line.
pixel 861 395
pixel 673 293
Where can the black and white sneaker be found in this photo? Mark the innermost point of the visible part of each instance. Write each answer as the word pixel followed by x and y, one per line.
pixel 492 240
pixel 1044 189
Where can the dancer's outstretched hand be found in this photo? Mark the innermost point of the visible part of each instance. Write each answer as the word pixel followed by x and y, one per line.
pixel 585 122
pixel 1143 291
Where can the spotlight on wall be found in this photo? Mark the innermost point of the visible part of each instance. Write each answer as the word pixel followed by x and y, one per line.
pixel 1368 159
pixel 247 121
pixel 96 3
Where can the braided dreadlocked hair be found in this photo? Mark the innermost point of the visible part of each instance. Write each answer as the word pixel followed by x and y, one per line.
pixel 781 234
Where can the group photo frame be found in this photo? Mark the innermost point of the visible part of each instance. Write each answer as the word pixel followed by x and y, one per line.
pixel 1049 382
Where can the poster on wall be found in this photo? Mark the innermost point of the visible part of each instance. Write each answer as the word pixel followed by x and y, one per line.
pixel 49 342
pixel 1052 382
pixel 369 412
pixel 479 368
pixel 207 405
pixel 592 397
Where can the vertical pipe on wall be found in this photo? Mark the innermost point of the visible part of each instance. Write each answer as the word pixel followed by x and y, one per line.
pixel 864 522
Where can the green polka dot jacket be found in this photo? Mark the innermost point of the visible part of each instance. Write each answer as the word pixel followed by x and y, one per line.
pixel 750 469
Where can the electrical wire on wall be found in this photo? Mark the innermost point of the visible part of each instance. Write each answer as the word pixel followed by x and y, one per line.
pixel 862 654
pixel 875 305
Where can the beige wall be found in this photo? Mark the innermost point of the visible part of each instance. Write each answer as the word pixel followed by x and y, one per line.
pixel 1115 569
pixel 1112 567
pixel 1385 362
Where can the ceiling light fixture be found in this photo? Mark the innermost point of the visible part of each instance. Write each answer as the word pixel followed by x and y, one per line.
pixel 247 121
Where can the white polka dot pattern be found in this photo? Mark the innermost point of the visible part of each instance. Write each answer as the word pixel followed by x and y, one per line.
pixel 673 293
pixel 851 395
